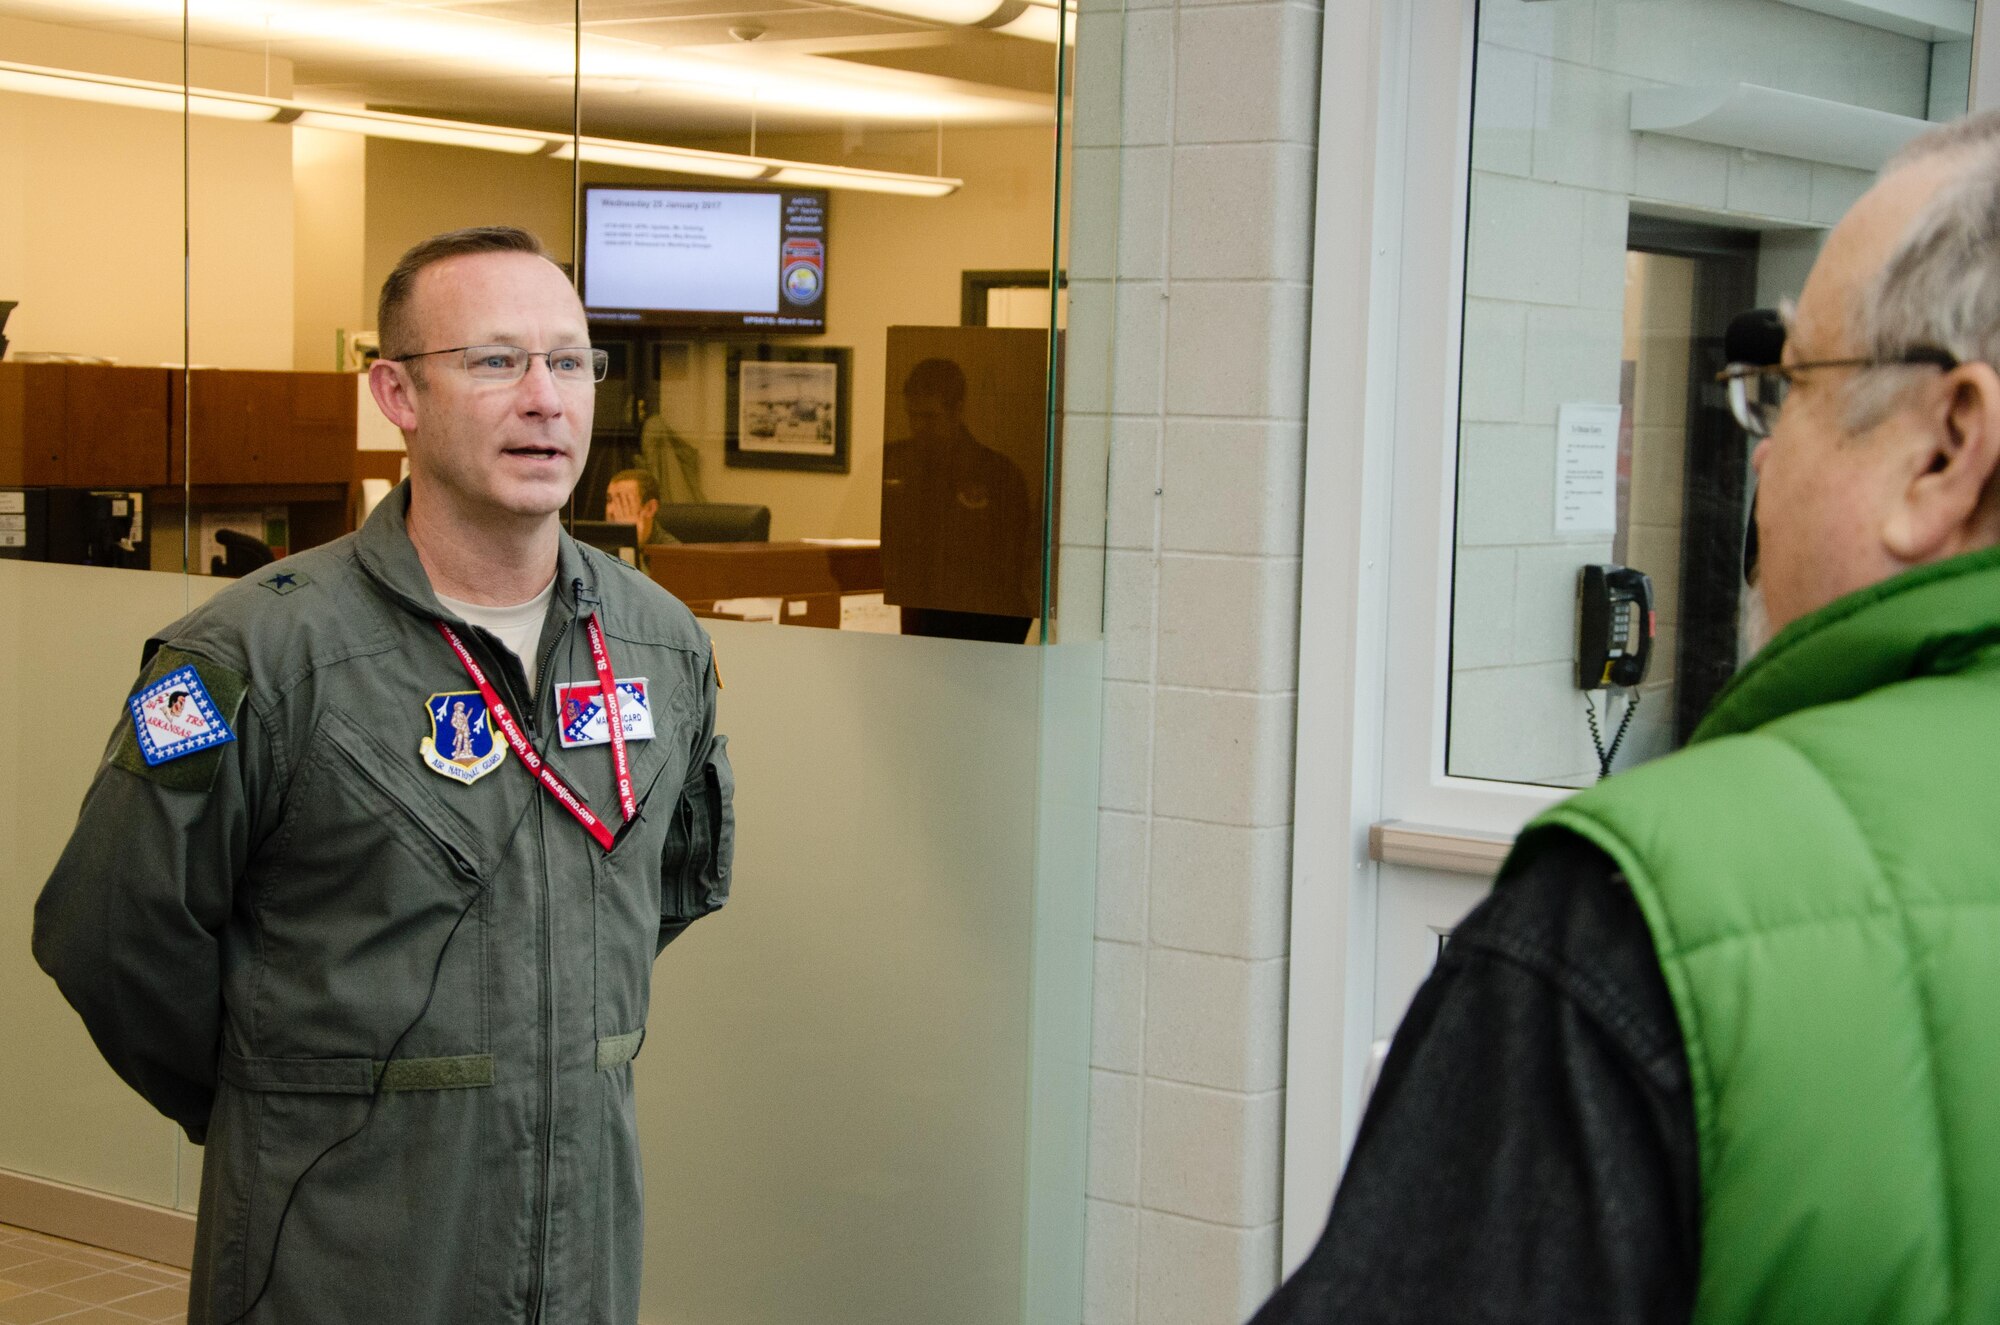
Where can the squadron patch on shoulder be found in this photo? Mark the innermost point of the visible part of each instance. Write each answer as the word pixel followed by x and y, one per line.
pixel 181 716
pixel 175 717
pixel 582 709
pixel 462 745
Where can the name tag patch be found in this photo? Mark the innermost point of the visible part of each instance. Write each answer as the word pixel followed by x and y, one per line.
pixel 174 717
pixel 581 704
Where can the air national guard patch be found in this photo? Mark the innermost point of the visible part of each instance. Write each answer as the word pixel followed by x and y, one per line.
pixel 175 717
pixel 582 709
pixel 462 745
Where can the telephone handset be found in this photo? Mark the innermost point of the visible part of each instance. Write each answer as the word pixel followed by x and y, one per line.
pixel 1615 627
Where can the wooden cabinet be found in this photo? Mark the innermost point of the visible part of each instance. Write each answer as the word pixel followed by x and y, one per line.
pixel 84 425
pixel 100 426
pixel 264 427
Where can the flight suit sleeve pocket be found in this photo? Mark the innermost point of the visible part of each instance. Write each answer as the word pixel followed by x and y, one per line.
pixel 702 846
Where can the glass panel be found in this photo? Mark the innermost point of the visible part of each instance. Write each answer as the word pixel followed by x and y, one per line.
pixel 795 225
pixel 296 219
pixel 91 316
pixel 940 795
pixel 1603 265
pixel 809 330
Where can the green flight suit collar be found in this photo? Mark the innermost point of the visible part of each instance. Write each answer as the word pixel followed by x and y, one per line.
pixel 386 553
pixel 1933 620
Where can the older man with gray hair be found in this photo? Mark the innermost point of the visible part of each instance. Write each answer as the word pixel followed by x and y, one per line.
pixel 1721 1046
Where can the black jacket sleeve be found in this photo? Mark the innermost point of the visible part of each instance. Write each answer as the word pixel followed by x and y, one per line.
pixel 1529 1153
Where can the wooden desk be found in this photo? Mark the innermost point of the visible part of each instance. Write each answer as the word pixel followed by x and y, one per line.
pixel 811 573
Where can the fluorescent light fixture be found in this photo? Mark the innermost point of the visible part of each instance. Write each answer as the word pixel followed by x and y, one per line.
pixel 1040 23
pixel 378 124
pixel 685 161
pixel 129 92
pixel 958 13
pixel 873 181
pixel 1037 20
pixel 494 46
pixel 36 80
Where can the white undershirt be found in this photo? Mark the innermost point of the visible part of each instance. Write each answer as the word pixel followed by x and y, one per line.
pixel 518 627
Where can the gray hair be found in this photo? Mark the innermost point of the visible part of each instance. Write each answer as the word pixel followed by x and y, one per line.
pixel 1940 287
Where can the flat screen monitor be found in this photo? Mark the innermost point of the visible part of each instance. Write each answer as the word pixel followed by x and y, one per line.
pixel 708 259
pixel 608 536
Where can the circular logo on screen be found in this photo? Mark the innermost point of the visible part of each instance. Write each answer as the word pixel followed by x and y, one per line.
pixel 802 282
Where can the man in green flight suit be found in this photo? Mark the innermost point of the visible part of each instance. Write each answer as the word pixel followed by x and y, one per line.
pixel 1720 1046
pixel 372 913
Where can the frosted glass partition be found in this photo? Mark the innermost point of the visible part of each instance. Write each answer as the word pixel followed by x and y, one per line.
pixel 863 1093
pixel 68 1117
pixel 835 1093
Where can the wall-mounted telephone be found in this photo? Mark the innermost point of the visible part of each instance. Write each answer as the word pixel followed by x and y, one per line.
pixel 1614 642
pixel 1614 627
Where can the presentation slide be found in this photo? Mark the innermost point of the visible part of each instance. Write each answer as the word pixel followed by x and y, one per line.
pixel 699 252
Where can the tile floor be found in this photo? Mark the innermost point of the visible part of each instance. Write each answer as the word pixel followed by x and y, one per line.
pixel 47 1279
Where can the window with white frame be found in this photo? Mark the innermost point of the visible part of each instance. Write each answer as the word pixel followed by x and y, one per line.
pixel 1641 172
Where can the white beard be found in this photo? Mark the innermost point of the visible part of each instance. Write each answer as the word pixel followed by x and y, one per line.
pixel 1753 625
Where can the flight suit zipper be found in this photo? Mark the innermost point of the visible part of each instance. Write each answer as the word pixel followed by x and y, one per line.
pixel 537 1296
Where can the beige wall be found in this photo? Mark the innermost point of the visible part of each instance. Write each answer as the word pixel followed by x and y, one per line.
pixel 1659 336
pixel 415 190
pixel 329 244
pixel 91 212
pixel 68 1117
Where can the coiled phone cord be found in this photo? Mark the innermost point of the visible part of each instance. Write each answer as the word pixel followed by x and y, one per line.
pixel 1604 756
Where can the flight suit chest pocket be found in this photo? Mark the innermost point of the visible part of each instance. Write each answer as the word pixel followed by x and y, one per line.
pixel 630 895
pixel 372 908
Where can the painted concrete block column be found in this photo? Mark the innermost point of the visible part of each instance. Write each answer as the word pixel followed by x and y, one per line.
pixel 1194 190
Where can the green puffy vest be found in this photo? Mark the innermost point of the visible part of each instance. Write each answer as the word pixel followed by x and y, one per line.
pixel 1821 873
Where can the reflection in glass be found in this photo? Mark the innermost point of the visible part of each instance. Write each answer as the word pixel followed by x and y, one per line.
pixel 959 527
pixel 1603 264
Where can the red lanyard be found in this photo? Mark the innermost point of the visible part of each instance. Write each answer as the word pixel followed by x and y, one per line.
pixel 517 741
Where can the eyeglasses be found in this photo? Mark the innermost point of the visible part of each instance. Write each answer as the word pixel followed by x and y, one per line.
pixel 571 365
pixel 1757 393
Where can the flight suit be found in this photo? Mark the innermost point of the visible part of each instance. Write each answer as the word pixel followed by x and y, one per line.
pixel 398 1008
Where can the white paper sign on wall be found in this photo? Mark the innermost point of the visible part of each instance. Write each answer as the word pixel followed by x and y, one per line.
pixel 1587 469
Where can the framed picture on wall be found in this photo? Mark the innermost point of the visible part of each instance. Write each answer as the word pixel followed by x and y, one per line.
pixel 787 407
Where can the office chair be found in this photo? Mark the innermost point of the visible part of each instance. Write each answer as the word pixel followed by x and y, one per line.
pixel 715 522
pixel 241 555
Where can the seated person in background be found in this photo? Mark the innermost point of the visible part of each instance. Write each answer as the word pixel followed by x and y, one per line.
pixel 633 497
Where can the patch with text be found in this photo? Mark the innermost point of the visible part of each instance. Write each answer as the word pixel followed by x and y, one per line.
pixel 581 705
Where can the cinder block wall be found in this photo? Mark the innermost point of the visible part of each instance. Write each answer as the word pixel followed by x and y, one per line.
pixel 1193 206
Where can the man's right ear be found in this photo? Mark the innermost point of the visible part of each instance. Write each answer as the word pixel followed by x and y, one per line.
pixel 395 393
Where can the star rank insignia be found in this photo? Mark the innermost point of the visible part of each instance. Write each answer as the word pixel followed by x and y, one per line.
pixel 282 582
